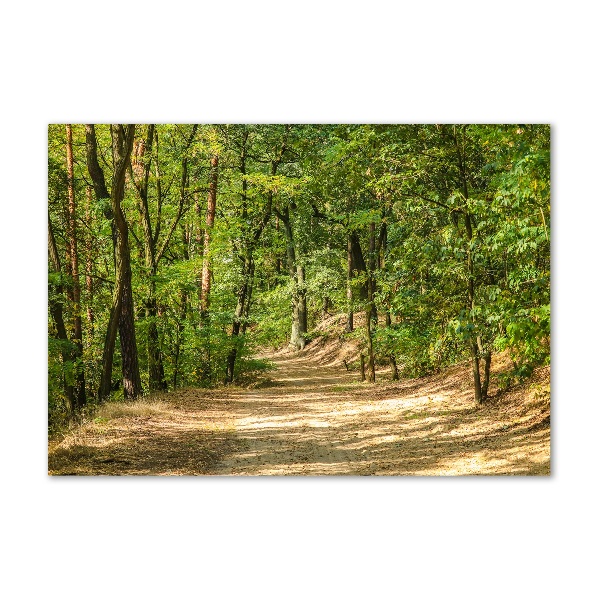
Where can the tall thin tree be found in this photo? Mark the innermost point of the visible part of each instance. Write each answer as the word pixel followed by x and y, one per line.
pixel 210 221
pixel 73 266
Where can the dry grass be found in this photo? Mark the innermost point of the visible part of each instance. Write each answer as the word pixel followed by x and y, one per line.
pixel 139 408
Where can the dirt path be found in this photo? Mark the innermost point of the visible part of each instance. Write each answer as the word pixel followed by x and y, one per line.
pixel 315 420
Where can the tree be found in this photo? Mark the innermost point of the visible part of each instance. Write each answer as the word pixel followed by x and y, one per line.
pixel 74 291
pixel 210 221
pixel 55 301
pixel 121 317
pixel 229 237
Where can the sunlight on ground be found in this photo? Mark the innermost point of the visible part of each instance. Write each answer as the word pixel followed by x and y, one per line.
pixel 320 421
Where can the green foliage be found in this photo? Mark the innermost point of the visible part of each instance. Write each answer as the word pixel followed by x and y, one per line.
pixel 460 214
pixel 272 313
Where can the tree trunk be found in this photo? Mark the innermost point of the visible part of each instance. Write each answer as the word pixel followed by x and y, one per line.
pixel 250 289
pixel 74 272
pixel 240 308
pixel 246 268
pixel 371 284
pixel 302 309
pixel 394 367
pixel 132 382
pixel 210 220
pixel 487 363
pixel 350 323
pixel 141 163
pixel 56 310
pixel 121 314
pixel 388 317
pixel 178 338
pixel 278 259
pixel 99 182
pixel 325 307
pixel 156 371
pixel 370 307
pixel 296 272
pixel 471 301
pixel 89 261
pixel 470 274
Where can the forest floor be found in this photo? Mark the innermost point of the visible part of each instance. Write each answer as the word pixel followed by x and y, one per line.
pixel 311 418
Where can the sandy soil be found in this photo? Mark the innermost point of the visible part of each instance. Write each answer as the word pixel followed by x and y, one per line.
pixel 311 419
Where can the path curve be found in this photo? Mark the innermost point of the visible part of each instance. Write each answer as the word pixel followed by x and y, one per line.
pixel 313 420
pixel 321 420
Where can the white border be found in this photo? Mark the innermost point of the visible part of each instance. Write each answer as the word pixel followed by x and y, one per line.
pixel 310 62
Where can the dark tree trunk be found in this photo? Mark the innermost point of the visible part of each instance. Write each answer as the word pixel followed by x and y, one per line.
pixel 302 309
pixel 156 372
pixel 370 307
pixel 121 314
pixel 210 221
pixel 132 382
pixel 394 367
pixel 350 323
pixel 388 317
pixel 371 283
pixel 487 363
pixel 56 310
pixel 246 270
pixel 325 308
pixel 240 309
pixel 278 259
pixel 248 302
pixel 74 273
pixel 141 163
pixel 296 272
pixel 95 170
pixel 178 338
pixel 89 261
pixel 471 303
pixel 99 182
pixel 474 346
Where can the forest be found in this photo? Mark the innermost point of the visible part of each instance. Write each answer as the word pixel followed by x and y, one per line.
pixel 203 257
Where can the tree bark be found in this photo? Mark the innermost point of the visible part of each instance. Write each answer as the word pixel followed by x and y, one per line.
pixel 56 310
pixel 394 366
pixel 479 396
pixel 302 308
pixel 350 323
pixel 296 273
pixel 487 363
pixel 178 338
pixel 210 221
pixel 388 317
pixel 141 163
pixel 89 261
pixel 247 304
pixel 74 273
pixel 471 301
pixel 132 382
pixel 121 314
pixel 240 309
pixel 370 306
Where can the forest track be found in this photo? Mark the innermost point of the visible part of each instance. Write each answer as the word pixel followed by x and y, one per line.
pixel 311 419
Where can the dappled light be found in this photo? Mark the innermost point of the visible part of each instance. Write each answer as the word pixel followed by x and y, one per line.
pixel 299 299
pixel 318 422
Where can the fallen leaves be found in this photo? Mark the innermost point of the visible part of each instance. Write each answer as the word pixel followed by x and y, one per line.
pixel 316 420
